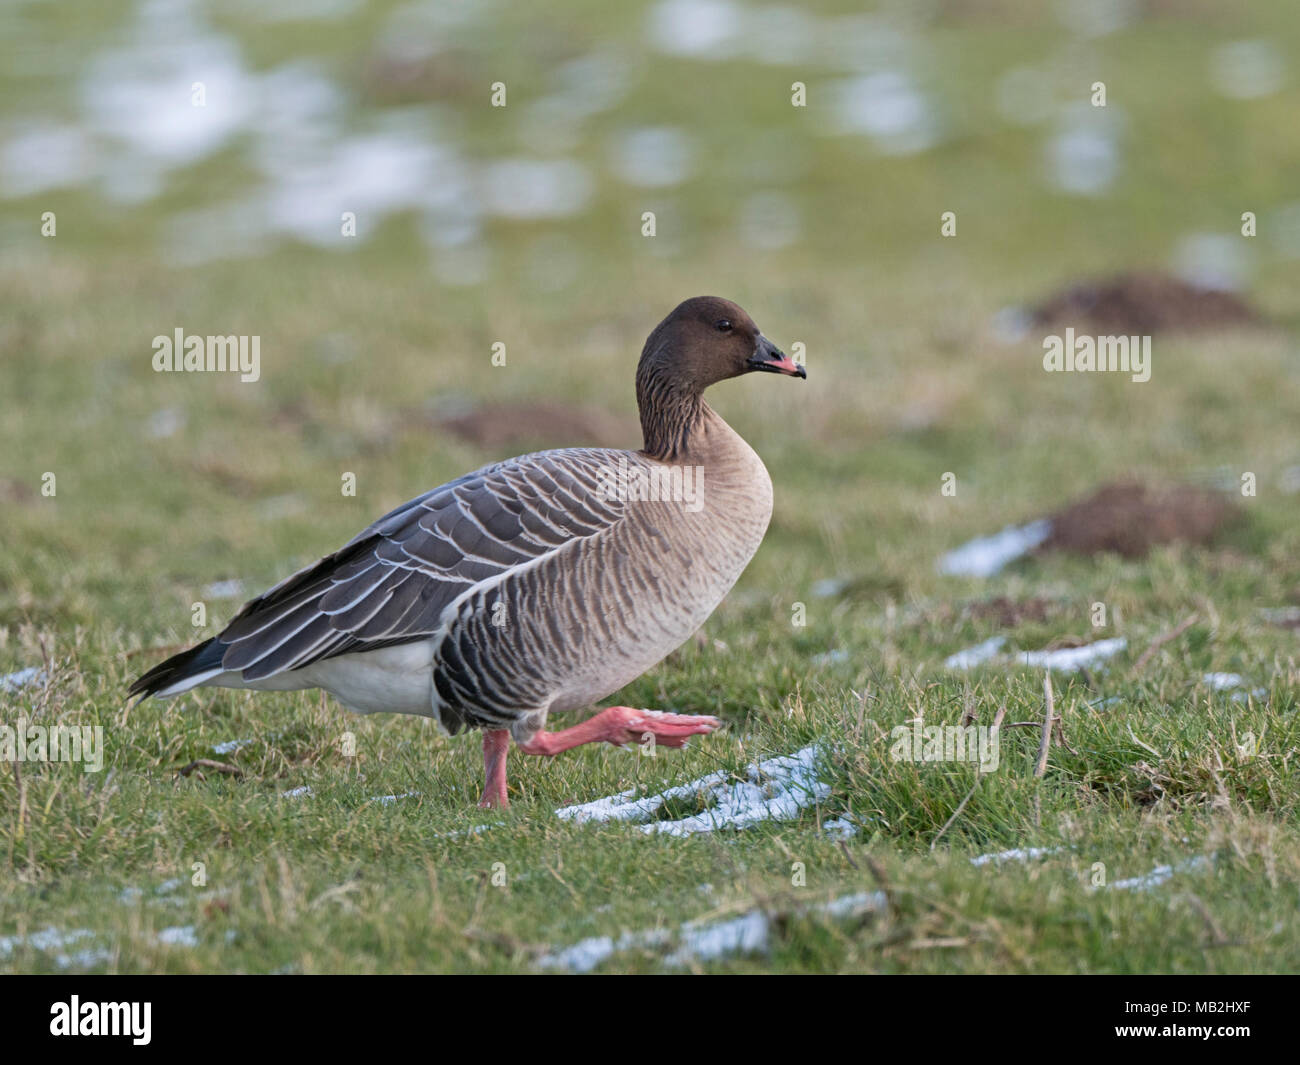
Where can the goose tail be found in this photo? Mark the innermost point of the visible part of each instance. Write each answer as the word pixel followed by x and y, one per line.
pixel 181 672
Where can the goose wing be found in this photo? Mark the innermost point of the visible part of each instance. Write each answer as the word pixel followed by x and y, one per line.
pixel 392 583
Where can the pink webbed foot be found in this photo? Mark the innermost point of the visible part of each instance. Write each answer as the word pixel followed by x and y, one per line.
pixel 620 725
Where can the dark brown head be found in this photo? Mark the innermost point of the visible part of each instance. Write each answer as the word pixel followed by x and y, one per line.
pixel 705 340
pixel 708 339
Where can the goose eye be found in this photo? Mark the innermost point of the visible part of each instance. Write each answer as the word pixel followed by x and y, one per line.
pixel 722 325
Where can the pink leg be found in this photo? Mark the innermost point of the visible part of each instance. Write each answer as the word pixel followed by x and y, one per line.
pixel 622 724
pixel 496 744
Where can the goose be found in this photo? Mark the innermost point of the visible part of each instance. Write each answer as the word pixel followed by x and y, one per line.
pixel 532 586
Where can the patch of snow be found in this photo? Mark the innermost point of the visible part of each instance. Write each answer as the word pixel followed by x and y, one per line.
pixel 1019 854
pixel 297 793
pixel 229 746
pixel 847 906
pixel 166 422
pixel 534 188
pixel 1214 261
pixel 698 28
pixel 888 107
pixel 977 655
pixel 1097 18
pixel 1012 324
pixel 586 954
pixel 1220 682
pixel 776 789
pixel 699 941
pixel 1083 157
pixel 141 96
pixel 986 555
pixel 1161 874
pixel 179 936
pixel 840 828
pixel 388 800
pixel 53 941
pixel 43 156
pixel 1247 70
pixel 223 589
pixel 747 934
pixel 652 156
pixel 461 832
pixel 1092 654
pixel 13 682
pixel 829 587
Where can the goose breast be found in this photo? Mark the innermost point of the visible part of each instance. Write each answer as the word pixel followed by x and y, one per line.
pixel 571 628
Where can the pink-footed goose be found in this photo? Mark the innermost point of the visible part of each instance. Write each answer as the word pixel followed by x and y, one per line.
pixel 535 585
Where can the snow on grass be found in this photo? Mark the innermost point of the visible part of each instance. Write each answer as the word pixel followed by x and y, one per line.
pixel 1223 682
pixel 14 682
pixel 697 941
pixel 830 658
pixel 1020 854
pixel 776 789
pixel 473 831
pixel 82 948
pixel 1161 874
pixel 227 589
pixel 229 746
pixel 1071 658
pixel 975 656
pixel 388 800
pixel 1067 658
pixel 55 942
pixel 179 936
pixel 987 555
pixel 747 934
pixel 840 828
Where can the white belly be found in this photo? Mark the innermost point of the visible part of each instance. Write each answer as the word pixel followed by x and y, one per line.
pixel 396 679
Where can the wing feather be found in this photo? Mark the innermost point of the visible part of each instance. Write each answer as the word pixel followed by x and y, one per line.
pixel 394 581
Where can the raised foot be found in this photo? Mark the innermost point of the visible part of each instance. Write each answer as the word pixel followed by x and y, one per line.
pixel 627 725
pixel 624 724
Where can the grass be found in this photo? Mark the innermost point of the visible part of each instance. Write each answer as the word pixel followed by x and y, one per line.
pixel 905 384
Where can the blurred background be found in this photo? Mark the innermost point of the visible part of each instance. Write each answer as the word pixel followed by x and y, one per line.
pixel 333 178
pixel 196 160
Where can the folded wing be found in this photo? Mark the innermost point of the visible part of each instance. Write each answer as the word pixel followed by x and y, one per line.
pixel 392 583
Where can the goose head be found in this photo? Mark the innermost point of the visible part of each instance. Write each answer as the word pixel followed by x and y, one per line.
pixel 708 339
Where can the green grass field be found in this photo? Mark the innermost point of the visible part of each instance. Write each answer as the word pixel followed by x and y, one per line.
pixel 166 484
